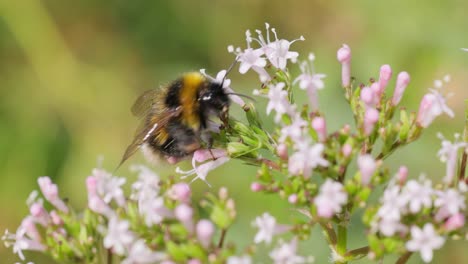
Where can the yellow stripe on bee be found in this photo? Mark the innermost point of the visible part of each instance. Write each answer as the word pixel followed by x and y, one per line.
pixel 188 99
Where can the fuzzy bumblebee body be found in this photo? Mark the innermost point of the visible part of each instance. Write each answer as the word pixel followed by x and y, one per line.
pixel 175 117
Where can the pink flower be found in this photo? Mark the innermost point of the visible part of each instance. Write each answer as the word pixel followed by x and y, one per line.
pixel 256 187
pixel 292 199
pixel 320 127
pixel 202 170
pixel 286 253
pixel 449 202
pixel 455 222
pixel 369 97
pixel 95 202
pixel 385 76
pixel 267 228
pixel 276 51
pixel 367 167
pixel 184 214
pixel 310 81
pixel 205 231
pixel 282 151
pixel 108 187
pixel 295 130
pixel 418 195
pixel 20 242
pixel 39 213
pixel 432 105
pixel 278 101
pixel 449 155
pixel 141 254
pixel 344 57
pixel 180 192
pixel 118 237
pixel 306 158
pixel 346 150
pixel 330 199
pixel 425 240
pixel 370 119
pixel 402 174
pixel 50 192
pixel 403 80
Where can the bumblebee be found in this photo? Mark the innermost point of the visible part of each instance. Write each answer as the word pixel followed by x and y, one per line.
pixel 175 118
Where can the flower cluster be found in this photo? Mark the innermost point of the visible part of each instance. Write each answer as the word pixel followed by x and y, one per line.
pixel 155 223
pixel 326 176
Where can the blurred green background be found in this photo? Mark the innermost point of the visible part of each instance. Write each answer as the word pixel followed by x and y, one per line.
pixel 70 70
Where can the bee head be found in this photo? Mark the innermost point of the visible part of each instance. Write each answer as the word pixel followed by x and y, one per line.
pixel 214 98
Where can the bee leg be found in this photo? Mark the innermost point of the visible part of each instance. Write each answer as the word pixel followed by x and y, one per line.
pixel 206 137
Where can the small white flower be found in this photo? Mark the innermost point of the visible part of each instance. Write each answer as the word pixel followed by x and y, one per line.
pixel 285 253
pixel 278 101
pixel 266 225
pixel 109 187
pixel 432 105
pixel 449 202
pixel 389 214
pixel 449 154
pixel 20 242
pixel 239 260
pixel 306 158
pixel 330 199
pixel 425 241
pixel 367 166
pixel 202 170
pixel 118 236
pixel 139 253
pixel 295 130
pixel 310 81
pixel 418 195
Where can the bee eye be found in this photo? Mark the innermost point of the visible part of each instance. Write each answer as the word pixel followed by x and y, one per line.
pixel 206 97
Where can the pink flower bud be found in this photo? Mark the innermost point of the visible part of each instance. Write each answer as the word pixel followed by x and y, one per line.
pixel 181 192
pixel 425 114
pixel 455 221
pixel 292 199
pixel 282 151
pixel 91 185
pixel 402 174
pixel 367 167
pixel 344 57
pixel 256 187
pixel 97 205
pixel 56 219
pixel 369 97
pixel 39 213
pixel 402 81
pixel 320 127
pixel 370 118
pixel 202 155
pixel 50 192
pixel 385 76
pixel 205 231
pixel 346 150
pixel 184 214
pixel 194 261
pixel 29 226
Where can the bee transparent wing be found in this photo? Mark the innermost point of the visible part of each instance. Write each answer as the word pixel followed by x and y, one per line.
pixel 146 129
pixel 145 102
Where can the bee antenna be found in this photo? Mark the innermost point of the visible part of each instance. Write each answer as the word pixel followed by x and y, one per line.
pixel 229 69
pixel 243 95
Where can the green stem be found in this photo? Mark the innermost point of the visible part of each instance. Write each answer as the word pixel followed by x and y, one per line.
pixel 329 233
pixel 357 253
pixel 342 239
pixel 404 258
